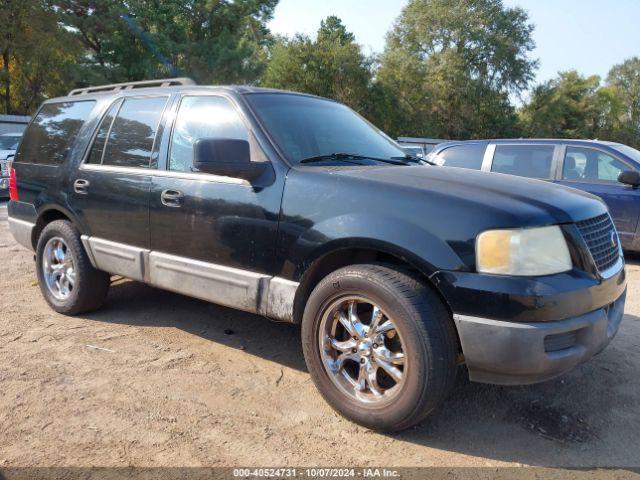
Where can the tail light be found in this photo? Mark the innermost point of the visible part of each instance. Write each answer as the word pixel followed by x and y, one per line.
pixel 13 185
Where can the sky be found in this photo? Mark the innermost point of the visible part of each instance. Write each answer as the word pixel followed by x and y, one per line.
pixel 589 36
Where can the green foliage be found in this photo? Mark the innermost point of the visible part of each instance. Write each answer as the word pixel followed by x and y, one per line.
pixel 574 106
pixel 330 66
pixel 454 64
pixel 450 69
pixel 565 107
pixel 36 55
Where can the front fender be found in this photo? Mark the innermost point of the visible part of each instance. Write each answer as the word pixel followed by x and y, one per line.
pixel 390 235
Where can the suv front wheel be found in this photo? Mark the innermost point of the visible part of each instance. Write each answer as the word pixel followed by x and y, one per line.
pixel 380 346
pixel 67 279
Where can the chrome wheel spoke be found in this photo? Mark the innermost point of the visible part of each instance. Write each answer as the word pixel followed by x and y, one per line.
pixel 343 357
pixel 393 372
pixel 376 318
pixel 386 355
pixel 372 379
pixel 385 327
pixel 346 347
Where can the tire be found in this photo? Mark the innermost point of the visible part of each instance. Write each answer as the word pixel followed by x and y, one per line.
pixel 90 286
pixel 423 326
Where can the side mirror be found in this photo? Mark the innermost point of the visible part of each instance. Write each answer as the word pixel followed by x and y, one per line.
pixel 630 177
pixel 226 157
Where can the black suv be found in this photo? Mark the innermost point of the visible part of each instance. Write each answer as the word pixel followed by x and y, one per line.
pixel 296 208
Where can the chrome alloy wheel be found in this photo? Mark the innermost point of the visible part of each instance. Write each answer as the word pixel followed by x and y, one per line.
pixel 361 350
pixel 58 268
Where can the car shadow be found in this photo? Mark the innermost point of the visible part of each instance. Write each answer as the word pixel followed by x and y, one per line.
pixel 543 424
pixel 133 303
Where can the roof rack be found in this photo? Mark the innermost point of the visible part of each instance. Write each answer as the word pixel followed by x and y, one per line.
pixel 114 87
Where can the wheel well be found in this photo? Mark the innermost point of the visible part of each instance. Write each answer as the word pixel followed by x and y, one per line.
pixel 350 256
pixel 44 219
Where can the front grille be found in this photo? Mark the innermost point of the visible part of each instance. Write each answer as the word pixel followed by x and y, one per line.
pixel 602 239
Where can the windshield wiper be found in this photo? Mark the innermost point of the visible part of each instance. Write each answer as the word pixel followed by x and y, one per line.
pixel 416 159
pixel 345 157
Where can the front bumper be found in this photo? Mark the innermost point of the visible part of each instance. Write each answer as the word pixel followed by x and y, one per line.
pixel 513 353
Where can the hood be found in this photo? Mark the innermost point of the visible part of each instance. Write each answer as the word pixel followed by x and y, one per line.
pixel 514 201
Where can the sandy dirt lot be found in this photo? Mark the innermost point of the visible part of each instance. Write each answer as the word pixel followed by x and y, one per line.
pixel 157 379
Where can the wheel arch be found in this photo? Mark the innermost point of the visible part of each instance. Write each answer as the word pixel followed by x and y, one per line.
pixel 47 215
pixel 357 251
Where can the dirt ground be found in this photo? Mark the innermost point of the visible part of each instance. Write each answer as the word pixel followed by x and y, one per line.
pixel 158 379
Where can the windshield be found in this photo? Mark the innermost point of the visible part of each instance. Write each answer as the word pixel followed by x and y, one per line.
pixel 632 153
pixel 308 127
pixel 9 142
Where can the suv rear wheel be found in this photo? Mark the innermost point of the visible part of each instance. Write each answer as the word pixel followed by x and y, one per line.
pixel 380 346
pixel 67 279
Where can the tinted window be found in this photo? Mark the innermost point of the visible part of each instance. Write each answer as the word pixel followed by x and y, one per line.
pixel 465 156
pixel 97 148
pixel 532 161
pixel 307 127
pixel 589 165
pixel 52 133
pixel 202 117
pixel 133 132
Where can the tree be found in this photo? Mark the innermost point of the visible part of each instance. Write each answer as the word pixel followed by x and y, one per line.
pixel 213 42
pixel 623 84
pixel 454 64
pixel 570 106
pixel 36 55
pixel 332 65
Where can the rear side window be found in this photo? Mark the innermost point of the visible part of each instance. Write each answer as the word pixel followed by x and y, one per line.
pixel 465 156
pixel 127 133
pixel 533 161
pixel 52 133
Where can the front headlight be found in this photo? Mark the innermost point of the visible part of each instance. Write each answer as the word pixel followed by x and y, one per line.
pixel 527 252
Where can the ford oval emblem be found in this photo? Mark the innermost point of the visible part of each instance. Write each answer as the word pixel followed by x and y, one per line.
pixel 614 240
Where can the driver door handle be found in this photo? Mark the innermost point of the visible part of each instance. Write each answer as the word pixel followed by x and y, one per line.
pixel 171 198
pixel 80 186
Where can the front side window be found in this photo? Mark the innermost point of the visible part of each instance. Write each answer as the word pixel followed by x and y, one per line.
pixel 305 127
pixel 202 117
pixel 590 165
pixel 52 133
pixel 533 161
pixel 127 133
pixel 464 156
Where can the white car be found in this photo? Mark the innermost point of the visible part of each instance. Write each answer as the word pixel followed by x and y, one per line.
pixel 8 145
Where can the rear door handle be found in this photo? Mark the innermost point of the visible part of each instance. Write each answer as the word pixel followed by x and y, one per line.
pixel 80 186
pixel 171 198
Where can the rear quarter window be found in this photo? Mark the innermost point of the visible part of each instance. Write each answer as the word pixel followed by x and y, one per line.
pixel 52 133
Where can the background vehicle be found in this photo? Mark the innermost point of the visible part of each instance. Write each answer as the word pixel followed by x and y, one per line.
pixel 296 208
pixel 590 165
pixel 8 145
pixel 418 146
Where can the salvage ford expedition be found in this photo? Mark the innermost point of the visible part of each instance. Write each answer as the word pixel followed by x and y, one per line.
pixel 296 208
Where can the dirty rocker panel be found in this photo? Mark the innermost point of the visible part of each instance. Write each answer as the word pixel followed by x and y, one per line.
pixel 242 289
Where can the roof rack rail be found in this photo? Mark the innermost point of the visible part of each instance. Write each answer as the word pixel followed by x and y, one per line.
pixel 114 87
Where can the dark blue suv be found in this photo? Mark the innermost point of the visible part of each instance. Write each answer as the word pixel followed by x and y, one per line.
pixel 590 165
